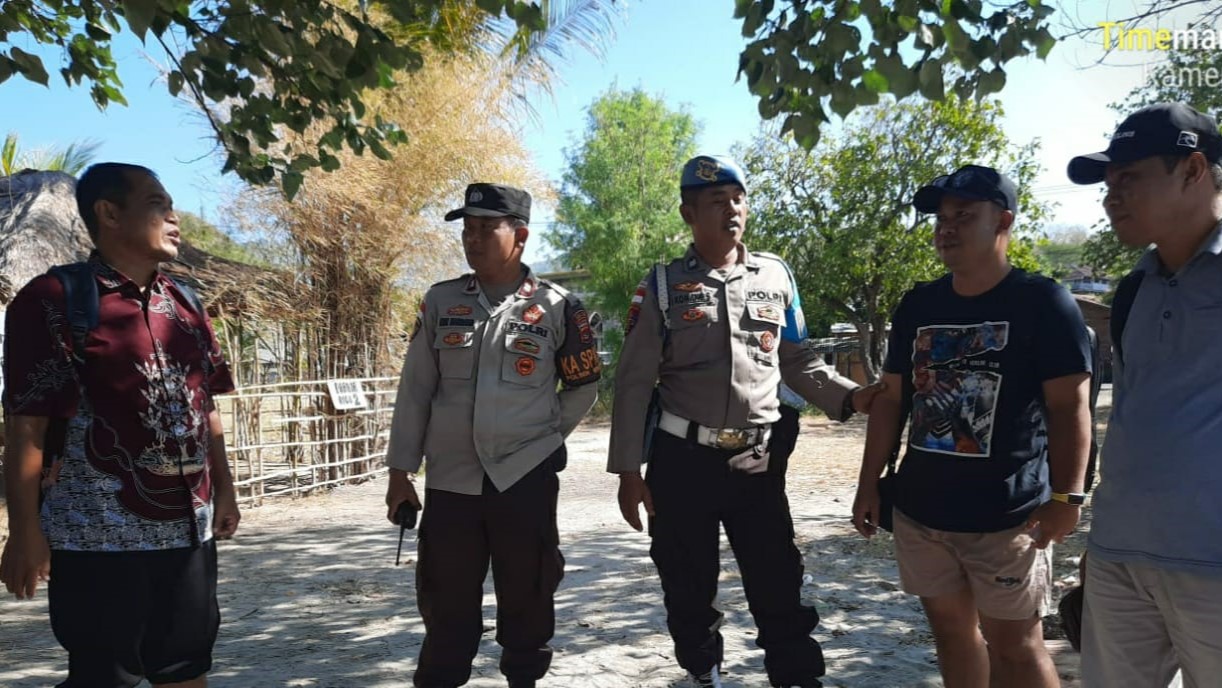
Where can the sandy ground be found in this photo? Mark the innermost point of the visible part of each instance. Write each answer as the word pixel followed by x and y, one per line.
pixel 310 595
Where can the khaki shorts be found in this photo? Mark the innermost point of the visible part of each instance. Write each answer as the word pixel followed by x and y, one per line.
pixel 1010 578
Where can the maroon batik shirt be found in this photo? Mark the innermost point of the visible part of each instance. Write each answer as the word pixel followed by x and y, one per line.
pixel 133 418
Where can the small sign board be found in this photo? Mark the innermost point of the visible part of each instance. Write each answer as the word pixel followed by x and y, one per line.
pixel 347 394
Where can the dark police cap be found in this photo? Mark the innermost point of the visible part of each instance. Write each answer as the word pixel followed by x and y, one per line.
pixel 709 170
pixel 493 200
pixel 1162 129
pixel 973 182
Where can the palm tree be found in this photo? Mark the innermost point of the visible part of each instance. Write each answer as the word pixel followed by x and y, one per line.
pixel 71 159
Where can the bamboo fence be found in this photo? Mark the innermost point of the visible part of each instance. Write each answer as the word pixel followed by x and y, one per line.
pixel 287 439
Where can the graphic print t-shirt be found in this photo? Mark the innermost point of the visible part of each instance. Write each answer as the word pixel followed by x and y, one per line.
pixel 973 370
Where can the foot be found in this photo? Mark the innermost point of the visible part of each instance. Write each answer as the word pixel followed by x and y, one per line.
pixel 521 683
pixel 813 683
pixel 711 679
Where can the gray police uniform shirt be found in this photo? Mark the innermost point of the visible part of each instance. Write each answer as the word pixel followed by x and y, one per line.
pixel 733 337
pixel 1158 500
pixel 492 388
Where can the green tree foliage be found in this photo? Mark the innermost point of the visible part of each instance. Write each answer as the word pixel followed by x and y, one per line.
pixel 841 216
pixel 618 212
pixel 809 58
pixel 1106 256
pixel 1060 251
pixel 266 64
pixel 207 237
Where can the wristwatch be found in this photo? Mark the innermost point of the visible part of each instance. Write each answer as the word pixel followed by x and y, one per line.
pixel 1071 498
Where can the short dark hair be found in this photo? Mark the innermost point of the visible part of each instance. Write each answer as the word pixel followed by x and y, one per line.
pixel 105 181
pixel 1215 168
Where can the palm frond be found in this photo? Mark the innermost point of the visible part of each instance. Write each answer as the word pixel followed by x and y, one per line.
pixel 76 156
pixel 588 25
pixel 8 155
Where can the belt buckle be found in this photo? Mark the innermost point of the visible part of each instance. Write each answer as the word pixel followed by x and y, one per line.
pixel 731 438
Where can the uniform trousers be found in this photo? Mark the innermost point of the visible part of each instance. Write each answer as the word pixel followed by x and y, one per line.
pixel 694 493
pixel 515 531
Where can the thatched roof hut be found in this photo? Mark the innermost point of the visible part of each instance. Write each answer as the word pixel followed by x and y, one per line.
pixel 40 227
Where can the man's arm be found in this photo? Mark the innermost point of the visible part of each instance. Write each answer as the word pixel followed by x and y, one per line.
pixel 1067 413
pixel 639 362
pixel 635 377
pixel 882 429
pixel 578 366
pixel 414 399
pixel 26 559
pixel 575 403
pixel 225 516
pixel 413 408
pixel 805 371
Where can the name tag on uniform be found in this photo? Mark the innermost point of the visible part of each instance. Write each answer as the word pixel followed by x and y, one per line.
pixel 517 326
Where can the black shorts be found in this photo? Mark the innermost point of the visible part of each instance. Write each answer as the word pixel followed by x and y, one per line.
pixel 126 616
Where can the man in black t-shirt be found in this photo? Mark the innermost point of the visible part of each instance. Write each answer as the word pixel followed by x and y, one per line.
pixel 990 366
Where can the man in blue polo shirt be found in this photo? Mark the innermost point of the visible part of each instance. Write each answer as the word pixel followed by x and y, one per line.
pixel 1154 574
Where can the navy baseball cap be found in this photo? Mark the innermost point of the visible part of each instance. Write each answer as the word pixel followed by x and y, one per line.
pixel 709 170
pixel 493 200
pixel 973 182
pixel 1162 129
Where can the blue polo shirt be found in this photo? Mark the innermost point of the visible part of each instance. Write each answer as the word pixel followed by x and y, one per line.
pixel 1159 499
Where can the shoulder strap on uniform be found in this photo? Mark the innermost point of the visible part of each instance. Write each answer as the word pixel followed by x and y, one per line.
pixel 661 285
pixel 81 301
pixel 1122 303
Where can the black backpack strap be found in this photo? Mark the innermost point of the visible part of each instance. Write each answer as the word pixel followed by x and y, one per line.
pixel 1122 303
pixel 191 295
pixel 1096 381
pixel 81 301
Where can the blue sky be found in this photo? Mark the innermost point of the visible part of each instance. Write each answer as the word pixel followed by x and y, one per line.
pixel 683 50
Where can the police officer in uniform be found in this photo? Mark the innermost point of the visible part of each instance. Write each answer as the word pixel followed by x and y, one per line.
pixel 500 369
pixel 715 332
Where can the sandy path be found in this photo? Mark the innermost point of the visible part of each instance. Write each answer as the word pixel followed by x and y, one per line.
pixel 310 595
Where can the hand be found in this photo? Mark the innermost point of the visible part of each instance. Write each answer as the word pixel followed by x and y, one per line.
pixel 632 493
pixel 863 397
pixel 25 562
pixel 866 506
pixel 1052 521
pixel 225 514
pixel 400 489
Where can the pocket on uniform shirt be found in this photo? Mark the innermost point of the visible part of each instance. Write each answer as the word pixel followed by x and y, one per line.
pixel 455 352
pixel 763 324
pixel 690 330
pixel 527 360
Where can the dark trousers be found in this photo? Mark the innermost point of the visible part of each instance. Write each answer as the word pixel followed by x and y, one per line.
pixel 460 534
pixel 695 492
